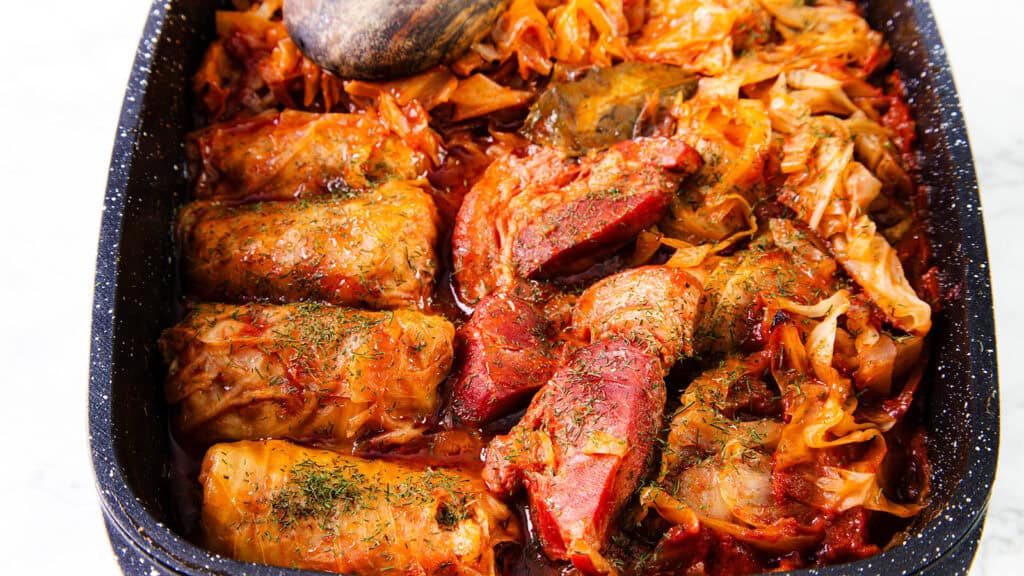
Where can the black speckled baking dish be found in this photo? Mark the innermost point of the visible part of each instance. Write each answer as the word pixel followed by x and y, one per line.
pixel 136 295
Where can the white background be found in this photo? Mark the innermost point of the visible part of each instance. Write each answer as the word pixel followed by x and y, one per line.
pixel 63 68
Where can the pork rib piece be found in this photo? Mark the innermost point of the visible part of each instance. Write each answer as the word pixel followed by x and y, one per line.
pixel 506 357
pixel 582 448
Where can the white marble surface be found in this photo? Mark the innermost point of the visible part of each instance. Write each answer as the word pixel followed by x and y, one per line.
pixel 64 67
pixel 981 36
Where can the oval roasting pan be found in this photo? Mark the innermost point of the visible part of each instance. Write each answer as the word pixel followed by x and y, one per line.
pixel 136 297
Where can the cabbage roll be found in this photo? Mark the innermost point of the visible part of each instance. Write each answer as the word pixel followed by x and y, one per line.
pixel 374 249
pixel 303 371
pixel 654 307
pixel 292 154
pixel 277 503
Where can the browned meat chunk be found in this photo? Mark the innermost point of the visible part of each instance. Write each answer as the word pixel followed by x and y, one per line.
pixel 583 447
pixel 543 215
pixel 506 357
pixel 594 224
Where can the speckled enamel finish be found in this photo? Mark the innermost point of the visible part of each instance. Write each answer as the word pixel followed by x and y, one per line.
pixel 136 287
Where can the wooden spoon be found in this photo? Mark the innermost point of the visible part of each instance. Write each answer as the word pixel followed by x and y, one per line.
pixel 379 39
